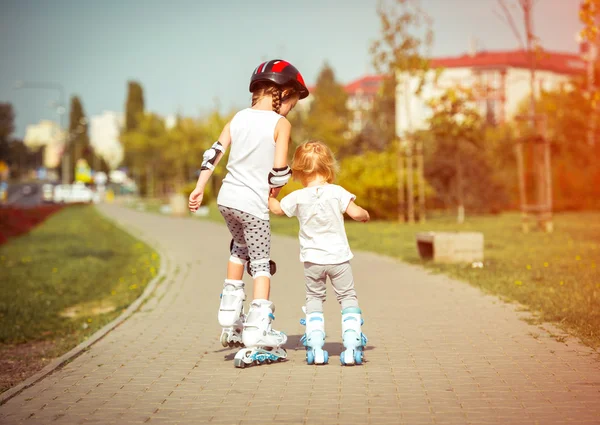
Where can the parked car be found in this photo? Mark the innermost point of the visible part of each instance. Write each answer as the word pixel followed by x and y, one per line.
pixel 48 192
pixel 78 192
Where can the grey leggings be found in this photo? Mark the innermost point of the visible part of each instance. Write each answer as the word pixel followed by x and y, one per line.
pixel 251 240
pixel 315 276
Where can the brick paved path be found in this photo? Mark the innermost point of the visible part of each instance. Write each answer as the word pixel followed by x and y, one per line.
pixel 440 352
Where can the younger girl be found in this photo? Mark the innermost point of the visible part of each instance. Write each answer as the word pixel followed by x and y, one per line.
pixel 324 248
pixel 257 167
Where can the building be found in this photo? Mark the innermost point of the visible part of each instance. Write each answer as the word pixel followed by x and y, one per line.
pixel 105 133
pixel 361 94
pixel 46 134
pixel 500 81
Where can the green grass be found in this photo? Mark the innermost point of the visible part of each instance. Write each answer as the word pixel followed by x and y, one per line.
pixel 554 275
pixel 69 277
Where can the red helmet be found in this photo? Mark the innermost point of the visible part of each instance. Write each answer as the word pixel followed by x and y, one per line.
pixel 281 73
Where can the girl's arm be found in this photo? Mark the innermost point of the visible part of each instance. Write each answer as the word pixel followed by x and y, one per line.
pixel 275 206
pixel 197 194
pixel 283 130
pixel 357 213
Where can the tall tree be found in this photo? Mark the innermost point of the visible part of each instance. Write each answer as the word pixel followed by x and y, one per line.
pixel 78 134
pixel 134 107
pixel 7 127
pixel 329 115
pixel 134 114
pixel 589 14
pixel 380 128
pixel 402 55
pixel 459 170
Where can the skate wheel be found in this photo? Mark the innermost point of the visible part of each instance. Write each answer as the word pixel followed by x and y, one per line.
pixel 224 341
pixel 358 357
pixel 310 357
pixel 239 363
pixel 347 358
pixel 325 357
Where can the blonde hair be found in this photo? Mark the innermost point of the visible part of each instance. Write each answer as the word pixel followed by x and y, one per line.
pixel 312 158
pixel 277 93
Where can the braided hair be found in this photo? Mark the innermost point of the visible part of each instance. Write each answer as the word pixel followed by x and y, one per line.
pixel 276 93
pixel 276 96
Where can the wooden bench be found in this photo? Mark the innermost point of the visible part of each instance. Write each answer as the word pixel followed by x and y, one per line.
pixel 451 247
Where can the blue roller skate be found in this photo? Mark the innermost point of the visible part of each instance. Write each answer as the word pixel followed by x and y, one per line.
pixel 353 338
pixel 314 338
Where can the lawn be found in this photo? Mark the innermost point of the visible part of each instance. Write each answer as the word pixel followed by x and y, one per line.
pixel 554 275
pixel 62 281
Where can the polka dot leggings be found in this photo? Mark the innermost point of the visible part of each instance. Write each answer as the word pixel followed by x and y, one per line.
pixel 251 240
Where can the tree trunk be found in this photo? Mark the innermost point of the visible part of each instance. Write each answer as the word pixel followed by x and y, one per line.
pixel 421 174
pixel 459 189
pixel 149 181
pixel 410 197
pixel 400 187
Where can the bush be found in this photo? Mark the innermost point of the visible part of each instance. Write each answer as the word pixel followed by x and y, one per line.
pixel 17 221
pixel 373 178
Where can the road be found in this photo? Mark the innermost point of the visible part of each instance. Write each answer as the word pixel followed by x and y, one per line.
pixel 24 194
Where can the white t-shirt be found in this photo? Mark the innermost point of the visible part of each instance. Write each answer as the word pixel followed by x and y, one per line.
pixel 251 156
pixel 320 211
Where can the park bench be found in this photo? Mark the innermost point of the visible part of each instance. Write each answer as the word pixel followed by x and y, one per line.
pixel 451 247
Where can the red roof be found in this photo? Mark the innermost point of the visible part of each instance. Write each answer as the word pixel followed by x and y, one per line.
pixel 562 63
pixel 368 85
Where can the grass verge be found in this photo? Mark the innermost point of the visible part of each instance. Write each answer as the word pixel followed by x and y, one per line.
pixel 60 283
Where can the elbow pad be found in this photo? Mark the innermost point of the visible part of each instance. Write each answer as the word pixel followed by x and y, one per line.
pixel 210 156
pixel 278 177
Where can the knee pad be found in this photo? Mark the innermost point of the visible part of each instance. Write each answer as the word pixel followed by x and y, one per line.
pixel 238 251
pixel 272 267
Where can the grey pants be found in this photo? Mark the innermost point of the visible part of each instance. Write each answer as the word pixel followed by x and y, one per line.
pixel 251 240
pixel 315 276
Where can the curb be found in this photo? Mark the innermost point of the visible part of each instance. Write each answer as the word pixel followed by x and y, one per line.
pixel 102 332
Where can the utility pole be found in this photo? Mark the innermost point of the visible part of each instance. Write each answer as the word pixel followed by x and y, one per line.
pixel 60 110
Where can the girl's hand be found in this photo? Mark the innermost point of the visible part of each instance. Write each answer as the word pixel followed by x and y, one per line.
pixel 195 199
pixel 274 192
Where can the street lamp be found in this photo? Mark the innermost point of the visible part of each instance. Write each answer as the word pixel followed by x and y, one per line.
pixel 60 110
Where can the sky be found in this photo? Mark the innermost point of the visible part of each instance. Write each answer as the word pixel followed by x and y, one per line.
pixel 194 55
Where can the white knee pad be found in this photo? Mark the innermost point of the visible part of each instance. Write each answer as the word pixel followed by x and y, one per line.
pixel 232 302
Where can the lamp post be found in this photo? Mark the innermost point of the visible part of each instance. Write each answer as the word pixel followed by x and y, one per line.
pixel 60 110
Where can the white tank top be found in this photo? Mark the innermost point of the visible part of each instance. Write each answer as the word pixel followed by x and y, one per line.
pixel 251 156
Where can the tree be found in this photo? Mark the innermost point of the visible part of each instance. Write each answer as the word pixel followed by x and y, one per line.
pixel 576 176
pixel 405 44
pixel 134 113
pixel 402 55
pixel 589 14
pixel 78 134
pixel 329 115
pixel 380 127
pixel 459 169
pixel 134 107
pixel 147 144
pixel 7 127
